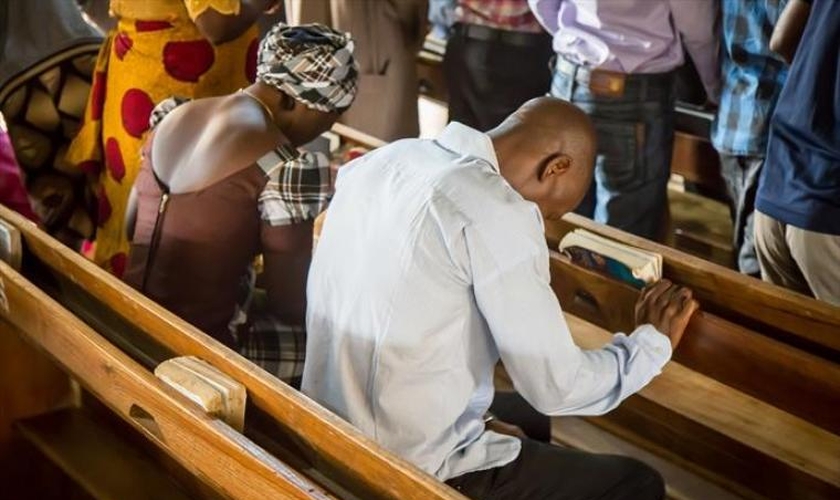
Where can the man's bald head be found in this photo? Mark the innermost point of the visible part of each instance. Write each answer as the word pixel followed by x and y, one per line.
pixel 546 151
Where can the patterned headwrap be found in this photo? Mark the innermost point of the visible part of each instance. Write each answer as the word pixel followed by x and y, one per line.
pixel 312 63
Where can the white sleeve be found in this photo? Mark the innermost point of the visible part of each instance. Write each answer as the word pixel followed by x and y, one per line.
pixel 511 286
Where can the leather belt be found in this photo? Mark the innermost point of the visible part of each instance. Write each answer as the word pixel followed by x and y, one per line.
pixel 607 83
pixel 488 34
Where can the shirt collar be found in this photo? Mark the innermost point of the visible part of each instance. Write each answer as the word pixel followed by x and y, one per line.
pixel 467 141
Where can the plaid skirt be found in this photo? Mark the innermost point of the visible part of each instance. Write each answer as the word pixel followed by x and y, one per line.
pixel 275 347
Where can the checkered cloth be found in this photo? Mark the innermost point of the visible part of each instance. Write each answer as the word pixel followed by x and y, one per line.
pixel 312 63
pixel 298 187
pixel 752 76
pixel 275 347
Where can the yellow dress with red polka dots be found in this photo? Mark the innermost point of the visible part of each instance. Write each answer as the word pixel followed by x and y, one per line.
pixel 156 51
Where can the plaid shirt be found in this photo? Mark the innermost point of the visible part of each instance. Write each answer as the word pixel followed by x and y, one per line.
pixel 298 187
pixel 511 15
pixel 752 75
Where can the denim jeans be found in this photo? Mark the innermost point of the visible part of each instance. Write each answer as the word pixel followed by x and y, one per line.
pixel 741 175
pixel 635 141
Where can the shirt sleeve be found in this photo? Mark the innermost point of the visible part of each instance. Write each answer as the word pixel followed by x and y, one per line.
pixel 524 317
pixel 546 12
pixel 298 188
pixel 696 20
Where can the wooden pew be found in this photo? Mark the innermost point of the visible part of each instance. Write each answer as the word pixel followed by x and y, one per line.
pixel 800 321
pixel 283 420
pixel 753 447
pixel 207 448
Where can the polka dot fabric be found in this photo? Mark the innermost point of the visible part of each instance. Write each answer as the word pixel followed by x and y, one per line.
pixel 152 55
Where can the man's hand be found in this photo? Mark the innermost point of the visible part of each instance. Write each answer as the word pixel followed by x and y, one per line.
pixel 667 307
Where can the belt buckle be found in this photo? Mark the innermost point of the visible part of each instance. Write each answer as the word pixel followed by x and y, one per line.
pixel 603 83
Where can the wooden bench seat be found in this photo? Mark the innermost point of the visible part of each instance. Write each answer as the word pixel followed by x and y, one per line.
pixel 206 447
pixel 103 464
pixel 782 375
pixel 330 446
pixel 744 440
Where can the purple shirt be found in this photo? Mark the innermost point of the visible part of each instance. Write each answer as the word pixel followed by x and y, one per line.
pixel 635 36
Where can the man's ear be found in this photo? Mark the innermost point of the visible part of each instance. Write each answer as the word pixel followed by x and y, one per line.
pixel 555 165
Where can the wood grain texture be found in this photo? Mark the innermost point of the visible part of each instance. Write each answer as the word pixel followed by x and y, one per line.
pixel 353 459
pixel 105 466
pixel 726 431
pixel 205 446
pixel 800 320
pixel 793 380
pixel 30 383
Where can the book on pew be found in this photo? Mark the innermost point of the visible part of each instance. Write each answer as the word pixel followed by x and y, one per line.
pixel 11 249
pixel 612 258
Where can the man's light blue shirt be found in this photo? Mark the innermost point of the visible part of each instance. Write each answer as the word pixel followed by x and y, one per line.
pixel 430 267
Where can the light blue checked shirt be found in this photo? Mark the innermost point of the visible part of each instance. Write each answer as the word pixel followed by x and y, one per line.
pixel 753 77
pixel 430 267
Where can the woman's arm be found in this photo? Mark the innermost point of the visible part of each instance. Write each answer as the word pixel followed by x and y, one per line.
pixel 287 251
pixel 218 27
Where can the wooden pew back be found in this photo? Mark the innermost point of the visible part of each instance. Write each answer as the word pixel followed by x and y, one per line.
pixel 332 445
pixel 205 446
pixel 790 317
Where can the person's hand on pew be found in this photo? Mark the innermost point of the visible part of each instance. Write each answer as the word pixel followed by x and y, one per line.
pixel 668 307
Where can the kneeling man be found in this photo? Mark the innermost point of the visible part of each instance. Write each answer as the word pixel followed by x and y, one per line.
pixel 432 265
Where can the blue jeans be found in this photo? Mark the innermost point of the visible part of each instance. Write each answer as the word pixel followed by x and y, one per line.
pixel 635 140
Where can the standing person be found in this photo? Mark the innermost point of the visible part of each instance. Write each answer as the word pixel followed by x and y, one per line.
pixel 496 59
pixel 188 48
pixel 797 221
pixel 431 267
pixel 388 35
pixel 616 61
pixel 221 181
pixel 753 76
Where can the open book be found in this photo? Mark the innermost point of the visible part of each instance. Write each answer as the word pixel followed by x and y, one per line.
pixel 617 260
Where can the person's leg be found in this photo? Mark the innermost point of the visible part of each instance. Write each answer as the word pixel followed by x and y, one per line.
pixel 512 408
pixel 563 87
pixel 741 176
pixel 818 257
pixel 508 76
pixel 635 134
pixel 635 141
pixel 774 257
pixel 547 472
pixel 458 80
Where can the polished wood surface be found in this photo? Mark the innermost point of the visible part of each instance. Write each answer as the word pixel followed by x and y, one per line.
pixel 786 377
pixel 206 447
pixel 96 459
pixel 807 323
pixel 334 446
pixel 734 435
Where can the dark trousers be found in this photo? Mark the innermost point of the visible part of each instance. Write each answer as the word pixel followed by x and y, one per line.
pixel 741 174
pixel 490 73
pixel 547 472
pixel 635 132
